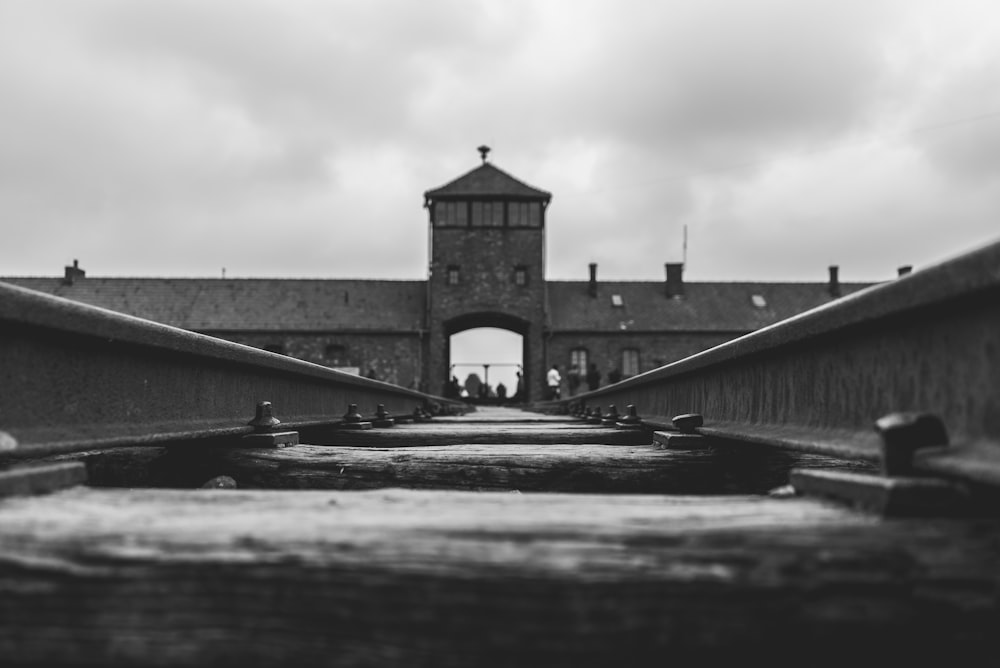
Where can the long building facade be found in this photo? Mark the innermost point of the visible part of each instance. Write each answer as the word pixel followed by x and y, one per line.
pixel 487 269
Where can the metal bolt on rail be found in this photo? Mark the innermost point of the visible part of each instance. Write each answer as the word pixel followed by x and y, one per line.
pixel 611 417
pixel 264 420
pixel 382 417
pixel 905 433
pixel 266 434
pixel 630 421
pixel 688 422
pixel 354 420
pixel 595 415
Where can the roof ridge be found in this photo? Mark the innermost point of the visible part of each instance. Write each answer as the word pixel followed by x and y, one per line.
pixel 488 166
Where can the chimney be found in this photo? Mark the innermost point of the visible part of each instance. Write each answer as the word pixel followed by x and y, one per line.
pixel 675 281
pixel 72 273
pixel 834 281
pixel 905 269
pixel 592 288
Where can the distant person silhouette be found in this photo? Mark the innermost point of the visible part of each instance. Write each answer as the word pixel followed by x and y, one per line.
pixel 472 385
pixel 554 381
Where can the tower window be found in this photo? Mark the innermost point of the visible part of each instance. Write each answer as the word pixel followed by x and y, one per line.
pixel 535 214
pixel 487 214
pixel 452 274
pixel 520 275
pixel 448 214
pixel 630 362
pixel 524 214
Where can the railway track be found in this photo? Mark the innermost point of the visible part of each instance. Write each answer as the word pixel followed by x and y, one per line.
pixel 823 490
pixel 497 537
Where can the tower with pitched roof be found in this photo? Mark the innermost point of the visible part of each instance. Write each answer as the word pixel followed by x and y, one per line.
pixel 487 266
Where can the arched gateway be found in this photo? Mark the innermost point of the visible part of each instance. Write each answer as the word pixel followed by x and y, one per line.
pixel 487 266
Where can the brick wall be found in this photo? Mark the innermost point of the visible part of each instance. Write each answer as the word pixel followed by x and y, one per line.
pixel 395 358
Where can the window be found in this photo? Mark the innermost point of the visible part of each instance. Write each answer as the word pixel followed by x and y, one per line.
pixel 524 214
pixel 487 214
pixel 616 300
pixel 520 275
pixel 517 214
pixel 452 274
pixel 577 375
pixel 275 348
pixel 534 214
pixel 630 362
pixel 758 301
pixel 451 213
pixel 335 354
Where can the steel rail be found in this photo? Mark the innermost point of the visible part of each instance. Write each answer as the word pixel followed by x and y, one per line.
pixel 927 342
pixel 75 377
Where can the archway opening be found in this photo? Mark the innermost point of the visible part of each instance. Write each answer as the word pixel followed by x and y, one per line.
pixel 487 363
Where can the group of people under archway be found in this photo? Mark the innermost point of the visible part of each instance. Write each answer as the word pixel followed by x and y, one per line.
pixel 474 388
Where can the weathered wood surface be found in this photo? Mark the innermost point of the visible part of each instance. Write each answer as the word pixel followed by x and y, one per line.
pixel 410 578
pixel 584 468
pixel 503 414
pixel 484 432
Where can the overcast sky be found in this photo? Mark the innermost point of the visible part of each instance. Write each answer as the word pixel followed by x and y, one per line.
pixel 295 138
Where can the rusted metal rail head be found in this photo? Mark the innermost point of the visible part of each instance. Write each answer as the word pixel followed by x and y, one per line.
pixel 74 377
pixel 909 365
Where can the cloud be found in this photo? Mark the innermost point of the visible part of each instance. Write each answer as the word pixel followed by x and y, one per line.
pixel 282 138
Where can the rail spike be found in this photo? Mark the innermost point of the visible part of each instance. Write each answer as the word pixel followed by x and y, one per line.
pixel 905 433
pixel 688 423
pixel 354 420
pixel 264 420
pixel 382 417
pixel 611 417
pixel 631 420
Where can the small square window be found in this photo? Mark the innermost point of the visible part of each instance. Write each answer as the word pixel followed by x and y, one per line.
pixel 616 300
pixel 520 275
pixel 758 301
pixel 453 275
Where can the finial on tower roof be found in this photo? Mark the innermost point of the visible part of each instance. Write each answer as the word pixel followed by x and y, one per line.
pixel 483 150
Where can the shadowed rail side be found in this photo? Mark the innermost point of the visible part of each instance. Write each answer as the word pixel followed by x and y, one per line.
pixel 75 377
pixel 924 343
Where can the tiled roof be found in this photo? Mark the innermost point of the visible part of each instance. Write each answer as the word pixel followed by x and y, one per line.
pixel 487 180
pixel 705 307
pixel 208 304
pixel 313 305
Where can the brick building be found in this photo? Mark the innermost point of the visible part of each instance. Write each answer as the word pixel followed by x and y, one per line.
pixel 487 269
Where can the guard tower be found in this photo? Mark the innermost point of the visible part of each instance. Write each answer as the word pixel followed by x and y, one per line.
pixel 487 266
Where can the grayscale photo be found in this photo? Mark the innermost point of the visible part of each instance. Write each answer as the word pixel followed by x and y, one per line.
pixel 499 333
